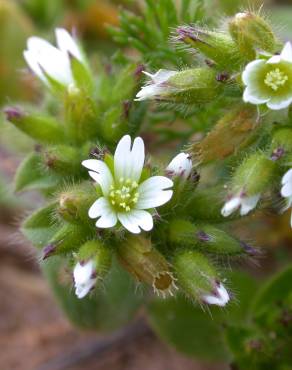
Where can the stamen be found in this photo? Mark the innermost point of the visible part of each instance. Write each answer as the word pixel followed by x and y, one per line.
pixel 275 79
pixel 123 196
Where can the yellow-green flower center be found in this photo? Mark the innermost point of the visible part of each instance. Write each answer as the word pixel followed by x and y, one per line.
pixel 123 195
pixel 275 79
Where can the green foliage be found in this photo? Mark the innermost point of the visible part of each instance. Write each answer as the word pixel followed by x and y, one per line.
pixel 40 226
pixel 149 32
pixel 31 175
pixel 189 329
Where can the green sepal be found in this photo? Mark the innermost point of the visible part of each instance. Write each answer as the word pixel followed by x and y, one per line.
pixel 74 203
pixel 195 274
pixel 109 307
pixel 100 254
pixel 205 237
pixel 41 226
pixel 43 129
pixel 82 75
pixel 63 159
pixel 31 175
pixel 70 237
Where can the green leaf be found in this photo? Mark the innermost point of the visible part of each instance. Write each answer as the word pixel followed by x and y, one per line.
pixel 109 307
pixel 41 226
pixel 189 329
pixel 31 175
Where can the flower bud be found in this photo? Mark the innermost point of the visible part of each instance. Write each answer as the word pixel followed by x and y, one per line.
pixel 94 262
pixel 67 239
pixel 232 133
pixel 198 278
pixel 63 159
pixel 214 45
pixel 41 128
pixel 74 203
pixel 252 33
pixel 197 85
pixel 180 166
pixel 205 237
pixel 84 278
pixel 254 176
pixel 147 265
pixel 281 146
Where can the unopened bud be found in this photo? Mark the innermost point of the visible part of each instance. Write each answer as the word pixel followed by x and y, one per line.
pixel 197 85
pixel 147 265
pixel 94 262
pixel 63 159
pixel 215 45
pixel 180 166
pixel 205 237
pixel 68 239
pixel 252 33
pixel 41 128
pixel 254 176
pixel 74 204
pixel 281 146
pixel 13 113
pixel 198 278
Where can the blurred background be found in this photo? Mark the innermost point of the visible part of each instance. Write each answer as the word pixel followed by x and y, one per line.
pixel 33 332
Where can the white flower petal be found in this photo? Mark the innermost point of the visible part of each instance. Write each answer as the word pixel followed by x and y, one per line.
pixel 287 177
pixel 100 173
pixel 248 204
pixel 286 190
pixel 275 59
pixel 277 104
pixel 136 220
pixel 286 53
pixel 152 192
pixel 250 97
pixel 220 299
pixel 231 206
pixel 32 61
pixel 101 208
pixel 149 92
pixel 129 163
pixel 251 70
pixel 66 43
pixel 55 63
pixel 181 165
pixel 84 279
pixel 160 76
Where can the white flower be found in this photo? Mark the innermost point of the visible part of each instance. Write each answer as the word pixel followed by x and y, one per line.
pixel 286 190
pixel 45 59
pixel 124 197
pixel 84 278
pixel 220 296
pixel 270 81
pixel 156 86
pixel 181 165
pixel 240 202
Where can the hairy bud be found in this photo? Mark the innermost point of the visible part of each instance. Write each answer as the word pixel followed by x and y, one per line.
pixel 205 237
pixel 252 33
pixel 198 278
pixel 214 45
